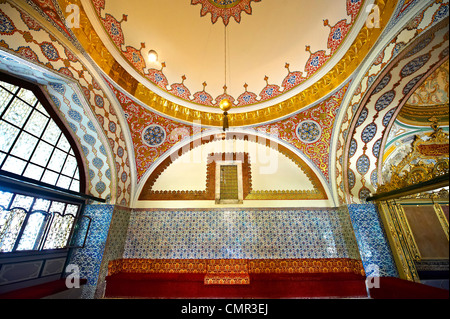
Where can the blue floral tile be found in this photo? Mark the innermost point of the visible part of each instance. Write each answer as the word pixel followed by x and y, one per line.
pixel 247 234
pixel 372 241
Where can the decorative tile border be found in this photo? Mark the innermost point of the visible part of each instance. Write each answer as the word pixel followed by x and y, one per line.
pixel 236 266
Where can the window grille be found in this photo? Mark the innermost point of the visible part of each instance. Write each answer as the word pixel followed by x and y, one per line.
pixel 34 223
pixel 41 188
pixel 31 143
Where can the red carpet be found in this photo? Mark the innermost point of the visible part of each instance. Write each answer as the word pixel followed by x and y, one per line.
pixel 395 288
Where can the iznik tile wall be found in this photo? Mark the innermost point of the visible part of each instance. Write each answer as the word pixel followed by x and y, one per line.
pixel 89 258
pixel 373 244
pixel 114 244
pixel 249 234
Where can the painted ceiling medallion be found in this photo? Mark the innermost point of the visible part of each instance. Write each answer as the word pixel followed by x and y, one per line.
pixel 224 9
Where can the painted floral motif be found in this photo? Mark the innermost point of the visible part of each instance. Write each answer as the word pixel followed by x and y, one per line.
pixel 337 33
pixel 6 25
pixel 135 57
pixel 247 98
pixel 114 29
pixel 203 97
pixel 323 115
pixel 159 137
pixel 270 91
pixel 49 9
pixel 153 135
pixel 292 79
pixel 224 9
pixel 308 131
pixel 49 51
pixel 434 90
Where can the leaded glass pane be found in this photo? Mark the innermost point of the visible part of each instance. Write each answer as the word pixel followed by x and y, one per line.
pixel 59 232
pixel 42 109
pixel 50 177
pixel 8 134
pixel 57 160
pixel 32 233
pixel 2 157
pixel 36 123
pixel 5 199
pixel 22 201
pixel 41 204
pixel 34 172
pixel 63 182
pixel 17 113
pixel 14 165
pixel 52 133
pixel 24 146
pixel 27 96
pixel 57 207
pixel 42 154
pixel 24 125
pixel 9 87
pixel 10 225
pixel 70 166
pixel 75 186
pixel 63 144
pixel 5 97
pixel 71 209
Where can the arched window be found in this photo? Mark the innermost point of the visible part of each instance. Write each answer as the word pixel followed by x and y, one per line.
pixel 41 173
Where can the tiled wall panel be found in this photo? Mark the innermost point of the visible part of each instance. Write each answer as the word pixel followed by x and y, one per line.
pixel 249 234
pixel 374 248
pixel 89 258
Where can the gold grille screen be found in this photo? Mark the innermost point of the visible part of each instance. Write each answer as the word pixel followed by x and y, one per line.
pixel 228 182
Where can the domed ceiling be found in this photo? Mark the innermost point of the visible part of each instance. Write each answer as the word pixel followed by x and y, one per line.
pixel 256 53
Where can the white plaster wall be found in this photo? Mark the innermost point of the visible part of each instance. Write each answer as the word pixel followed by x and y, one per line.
pixel 270 169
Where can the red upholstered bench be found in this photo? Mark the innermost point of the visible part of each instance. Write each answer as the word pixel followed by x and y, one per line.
pixel 39 291
pixel 271 285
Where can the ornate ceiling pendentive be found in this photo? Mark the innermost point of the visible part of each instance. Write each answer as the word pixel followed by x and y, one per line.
pixel 224 9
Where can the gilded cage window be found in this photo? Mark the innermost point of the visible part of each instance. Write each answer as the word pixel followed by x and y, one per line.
pixel 37 163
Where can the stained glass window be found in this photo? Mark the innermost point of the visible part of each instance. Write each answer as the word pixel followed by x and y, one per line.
pixel 31 143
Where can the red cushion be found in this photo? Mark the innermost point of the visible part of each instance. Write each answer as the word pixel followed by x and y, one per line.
pixel 39 291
